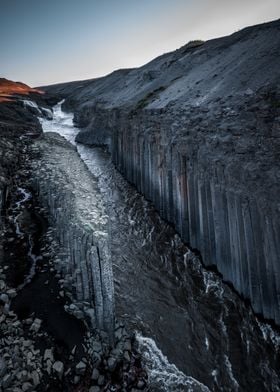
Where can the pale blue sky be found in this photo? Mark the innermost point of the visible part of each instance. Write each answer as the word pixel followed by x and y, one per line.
pixel 50 41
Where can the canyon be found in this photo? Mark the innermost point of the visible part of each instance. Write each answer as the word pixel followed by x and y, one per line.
pixel 159 186
pixel 197 132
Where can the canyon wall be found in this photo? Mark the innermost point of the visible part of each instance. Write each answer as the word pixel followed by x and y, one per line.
pixel 70 194
pixel 224 205
pixel 197 131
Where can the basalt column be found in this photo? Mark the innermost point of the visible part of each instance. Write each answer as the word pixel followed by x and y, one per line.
pixel 81 227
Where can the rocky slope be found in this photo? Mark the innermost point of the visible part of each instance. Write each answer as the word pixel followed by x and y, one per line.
pixel 197 131
pixel 15 122
pixel 71 195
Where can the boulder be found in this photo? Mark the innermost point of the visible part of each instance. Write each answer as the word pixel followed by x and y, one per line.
pixel 58 369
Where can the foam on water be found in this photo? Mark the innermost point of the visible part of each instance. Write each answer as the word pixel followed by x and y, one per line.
pixel 31 104
pixel 63 124
pixel 269 334
pixel 163 375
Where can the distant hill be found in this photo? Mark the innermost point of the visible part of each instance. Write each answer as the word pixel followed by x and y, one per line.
pixel 9 90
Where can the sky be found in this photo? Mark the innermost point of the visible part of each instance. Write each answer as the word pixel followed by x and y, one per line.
pixel 49 41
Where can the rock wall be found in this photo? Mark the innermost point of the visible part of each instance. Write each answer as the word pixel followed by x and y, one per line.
pixel 11 155
pixel 218 202
pixel 81 228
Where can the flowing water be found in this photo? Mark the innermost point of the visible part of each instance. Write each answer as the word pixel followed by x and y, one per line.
pixel 31 255
pixel 194 332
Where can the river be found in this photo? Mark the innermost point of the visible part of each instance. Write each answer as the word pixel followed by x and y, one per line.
pixel 193 330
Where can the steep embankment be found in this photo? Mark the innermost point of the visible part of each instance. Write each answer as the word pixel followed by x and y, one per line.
pixel 197 131
pixel 84 259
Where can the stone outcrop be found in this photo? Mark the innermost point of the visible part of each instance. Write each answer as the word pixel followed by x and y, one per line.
pixel 197 131
pixel 16 123
pixel 77 214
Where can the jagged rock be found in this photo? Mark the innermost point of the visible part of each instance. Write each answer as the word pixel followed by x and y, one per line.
pixel 36 325
pixel 35 377
pixel 4 298
pixel 29 321
pixel 3 367
pixel 94 389
pixel 112 363
pixel 58 368
pixel 17 324
pixel 141 384
pixel 126 356
pixel 79 314
pixel 2 285
pixel 6 309
pixel 27 386
pixel 96 359
pixel 101 380
pixel 6 381
pixel 119 333
pixel 27 343
pixel 49 365
pixel 22 376
pixel 95 374
pixel 12 293
pixel 81 368
pixel 96 347
pixel 48 354
pixel 73 351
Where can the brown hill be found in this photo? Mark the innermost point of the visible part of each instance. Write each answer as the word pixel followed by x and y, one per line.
pixel 10 90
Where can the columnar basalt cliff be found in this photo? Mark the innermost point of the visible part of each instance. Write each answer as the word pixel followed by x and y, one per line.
pixel 80 222
pixel 197 131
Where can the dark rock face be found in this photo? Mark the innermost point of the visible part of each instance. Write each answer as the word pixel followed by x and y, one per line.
pixel 57 336
pixel 77 215
pixel 9 90
pixel 197 131
pixel 15 122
